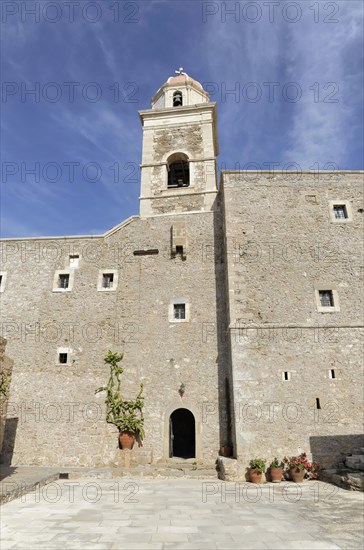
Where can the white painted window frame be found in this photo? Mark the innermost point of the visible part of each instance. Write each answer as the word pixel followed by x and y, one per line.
pixel 172 303
pixel 59 272
pixel 103 272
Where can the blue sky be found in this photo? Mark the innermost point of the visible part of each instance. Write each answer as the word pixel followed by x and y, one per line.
pixel 296 69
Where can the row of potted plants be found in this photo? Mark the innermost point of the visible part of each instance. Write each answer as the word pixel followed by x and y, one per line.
pixel 296 468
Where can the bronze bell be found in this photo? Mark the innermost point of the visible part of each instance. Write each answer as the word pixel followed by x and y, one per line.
pixel 177 100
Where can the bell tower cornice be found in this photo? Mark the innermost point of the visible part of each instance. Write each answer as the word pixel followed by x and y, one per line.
pixel 167 117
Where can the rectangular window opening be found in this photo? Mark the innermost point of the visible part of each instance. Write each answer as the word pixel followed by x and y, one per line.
pixel 318 405
pixel 107 280
pixel 340 211
pixel 74 259
pixel 286 375
pixel 179 250
pixel 63 476
pixel 326 298
pixel 332 373
pixel 63 281
pixel 63 358
pixel 179 311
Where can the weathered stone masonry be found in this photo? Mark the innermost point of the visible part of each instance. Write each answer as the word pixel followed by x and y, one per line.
pixel 263 368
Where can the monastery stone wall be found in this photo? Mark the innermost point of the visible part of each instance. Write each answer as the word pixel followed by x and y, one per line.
pixel 60 420
pixel 282 246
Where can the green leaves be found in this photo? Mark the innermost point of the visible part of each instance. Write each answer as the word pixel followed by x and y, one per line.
pixel 4 383
pixel 257 464
pixel 127 415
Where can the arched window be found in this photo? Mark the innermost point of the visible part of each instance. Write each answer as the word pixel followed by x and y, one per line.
pixel 178 171
pixel 177 99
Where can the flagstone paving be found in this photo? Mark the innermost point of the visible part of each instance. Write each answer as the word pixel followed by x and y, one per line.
pixel 161 514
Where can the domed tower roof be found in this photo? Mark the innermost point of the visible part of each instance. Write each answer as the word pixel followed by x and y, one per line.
pixel 179 91
pixel 183 79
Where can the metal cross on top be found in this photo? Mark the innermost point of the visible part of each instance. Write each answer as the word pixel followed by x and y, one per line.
pixel 180 71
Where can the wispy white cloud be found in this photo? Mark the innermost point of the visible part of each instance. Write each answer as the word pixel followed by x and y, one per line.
pixel 305 53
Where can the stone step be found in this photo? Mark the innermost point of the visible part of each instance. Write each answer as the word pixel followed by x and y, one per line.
pixel 193 474
pixel 346 479
pixel 228 469
pixel 165 472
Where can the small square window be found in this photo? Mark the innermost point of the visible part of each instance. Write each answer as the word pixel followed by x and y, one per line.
pixel 326 298
pixel 107 280
pixel 74 260
pixel 63 280
pixel 62 358
pixel 340 211
pixel 3 275
pixel 179 311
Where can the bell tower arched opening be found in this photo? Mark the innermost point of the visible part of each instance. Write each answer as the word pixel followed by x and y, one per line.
pixel 178 171
pixel 177 99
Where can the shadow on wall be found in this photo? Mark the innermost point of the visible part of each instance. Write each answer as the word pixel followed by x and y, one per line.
pixel 226 400
pixel 11 425
pixel 328 450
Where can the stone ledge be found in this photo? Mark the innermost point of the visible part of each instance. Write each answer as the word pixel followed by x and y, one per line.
pixel 345 479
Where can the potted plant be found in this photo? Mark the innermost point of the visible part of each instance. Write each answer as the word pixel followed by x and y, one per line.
pixel 299 467
pixel 276 470
pixel 126 415
pixel 257 467
pixel 226 450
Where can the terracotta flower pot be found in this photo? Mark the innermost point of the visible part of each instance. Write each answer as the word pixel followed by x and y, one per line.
pixel 225 450
pixel 255 476
pixel 297 475
pixel 126 440
pixel 276 474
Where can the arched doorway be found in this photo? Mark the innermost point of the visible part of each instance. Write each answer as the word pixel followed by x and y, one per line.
pixel 182 438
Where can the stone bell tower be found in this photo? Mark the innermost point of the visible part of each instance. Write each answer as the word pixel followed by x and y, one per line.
pixel 180 146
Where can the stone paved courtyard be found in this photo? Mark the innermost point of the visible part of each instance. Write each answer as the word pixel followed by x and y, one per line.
pixel 140 513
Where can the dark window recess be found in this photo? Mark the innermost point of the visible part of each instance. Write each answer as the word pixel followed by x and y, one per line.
pixel 340 211
pixel 318 405
pixel 179 250
pixel 1 279
pixel 107 280
pixel 177 99
pixel 179 174
pixel 150 252
pixel 332 373
pixel 63 358
pixel 326 298
pixel 63 281
pixel 286 375
pixel 63 476
pixel 179 311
